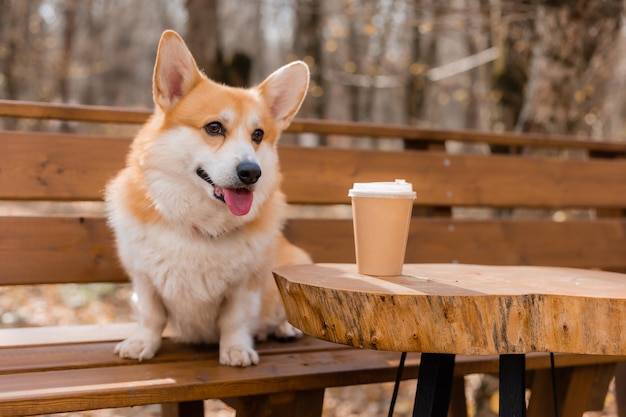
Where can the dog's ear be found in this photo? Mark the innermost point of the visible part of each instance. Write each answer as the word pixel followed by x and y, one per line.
pixel 175 71
pixel 284 91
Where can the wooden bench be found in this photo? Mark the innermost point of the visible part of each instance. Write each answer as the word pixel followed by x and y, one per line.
pixel 69 368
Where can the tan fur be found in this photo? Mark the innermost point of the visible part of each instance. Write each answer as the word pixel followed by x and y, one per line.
pixel 197 260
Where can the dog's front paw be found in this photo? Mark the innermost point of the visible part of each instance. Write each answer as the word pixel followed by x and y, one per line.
pixel 238 355
pixel 140 346
pixel 286 331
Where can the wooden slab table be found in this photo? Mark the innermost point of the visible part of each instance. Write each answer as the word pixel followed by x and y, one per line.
pixel 447 309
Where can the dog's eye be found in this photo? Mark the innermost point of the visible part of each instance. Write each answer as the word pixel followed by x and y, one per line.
pixel 257 136
pixel 215 129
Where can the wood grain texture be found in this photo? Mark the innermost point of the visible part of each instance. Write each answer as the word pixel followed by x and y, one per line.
pixel 37 250
pixel 464 309
pixel 324 176
pixel 46 166
pixel 45 250
pixel 45 336
pixel 85 113
pixel 188 380
pixel 109 114
pixel 25 350
pixel 99 354
pixel 61 377
pixel 586 243
pixel 50 166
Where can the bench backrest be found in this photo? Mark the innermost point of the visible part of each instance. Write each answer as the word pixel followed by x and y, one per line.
pixel 585 197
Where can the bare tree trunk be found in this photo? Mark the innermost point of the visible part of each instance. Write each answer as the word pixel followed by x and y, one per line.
pixel 69 32
pixel 308 46
pixel 204 41
pixel 515 31
pixel 381 42
pixel 571 64
pixel 203 37
pixel 15 17
pixel 94 30
pixel 423 54
pixel 354 56
pixel 15 27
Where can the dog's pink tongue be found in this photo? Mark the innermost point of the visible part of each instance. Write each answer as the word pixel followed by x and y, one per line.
pixel 238 200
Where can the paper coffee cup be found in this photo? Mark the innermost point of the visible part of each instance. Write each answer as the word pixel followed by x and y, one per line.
pixel 381 213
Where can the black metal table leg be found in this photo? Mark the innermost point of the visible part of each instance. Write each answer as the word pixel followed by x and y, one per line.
pixel 434 385
pixel 512 385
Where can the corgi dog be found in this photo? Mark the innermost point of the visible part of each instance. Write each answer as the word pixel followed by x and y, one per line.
pixel 197 212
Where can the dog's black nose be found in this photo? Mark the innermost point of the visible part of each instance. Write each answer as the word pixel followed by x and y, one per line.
pixel 248 172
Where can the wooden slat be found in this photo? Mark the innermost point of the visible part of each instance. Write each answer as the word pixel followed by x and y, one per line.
pixel 37 250
pixel 199 377
pixel 40 250
pixel 50 352
pixel 102 114
pixel 150 383
pixel 583 244
pixel 98 354
pixel 324 176
pixel 56 335
pixel 105 114
pixel 335 127
pixel 58 167
pixel 50 166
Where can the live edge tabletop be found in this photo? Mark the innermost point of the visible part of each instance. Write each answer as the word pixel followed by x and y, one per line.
pixel 460 309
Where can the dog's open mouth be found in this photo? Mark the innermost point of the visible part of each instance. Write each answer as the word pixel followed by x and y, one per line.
pixel 238 200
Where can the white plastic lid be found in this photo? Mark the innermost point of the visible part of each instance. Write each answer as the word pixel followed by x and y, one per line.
pixel 398 188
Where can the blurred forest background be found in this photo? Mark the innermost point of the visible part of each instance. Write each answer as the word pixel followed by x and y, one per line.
pixel 545 66
pixel 534 65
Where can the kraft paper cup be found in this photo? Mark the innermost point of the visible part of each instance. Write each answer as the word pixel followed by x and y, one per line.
pixel 381 213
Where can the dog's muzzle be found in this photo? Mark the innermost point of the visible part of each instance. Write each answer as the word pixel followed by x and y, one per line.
pixel 238 199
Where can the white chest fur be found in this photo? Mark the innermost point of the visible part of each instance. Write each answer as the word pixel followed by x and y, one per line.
pixel 193 274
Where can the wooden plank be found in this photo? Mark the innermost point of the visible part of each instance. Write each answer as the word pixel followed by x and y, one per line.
pixel 51 166
pixel 36 250
pixel 577 243
pixel 56 335
pixel 72 347
pixel 62 167
pixel 414 133
pixel 319 175
pixel 57 111
pixel 46 336
pixel 98 354
pixel 39 361
pixel 45 250
pixel 584 244
pixel 199 377
pixel 106 114
pixel 150 383
pixel 43 349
